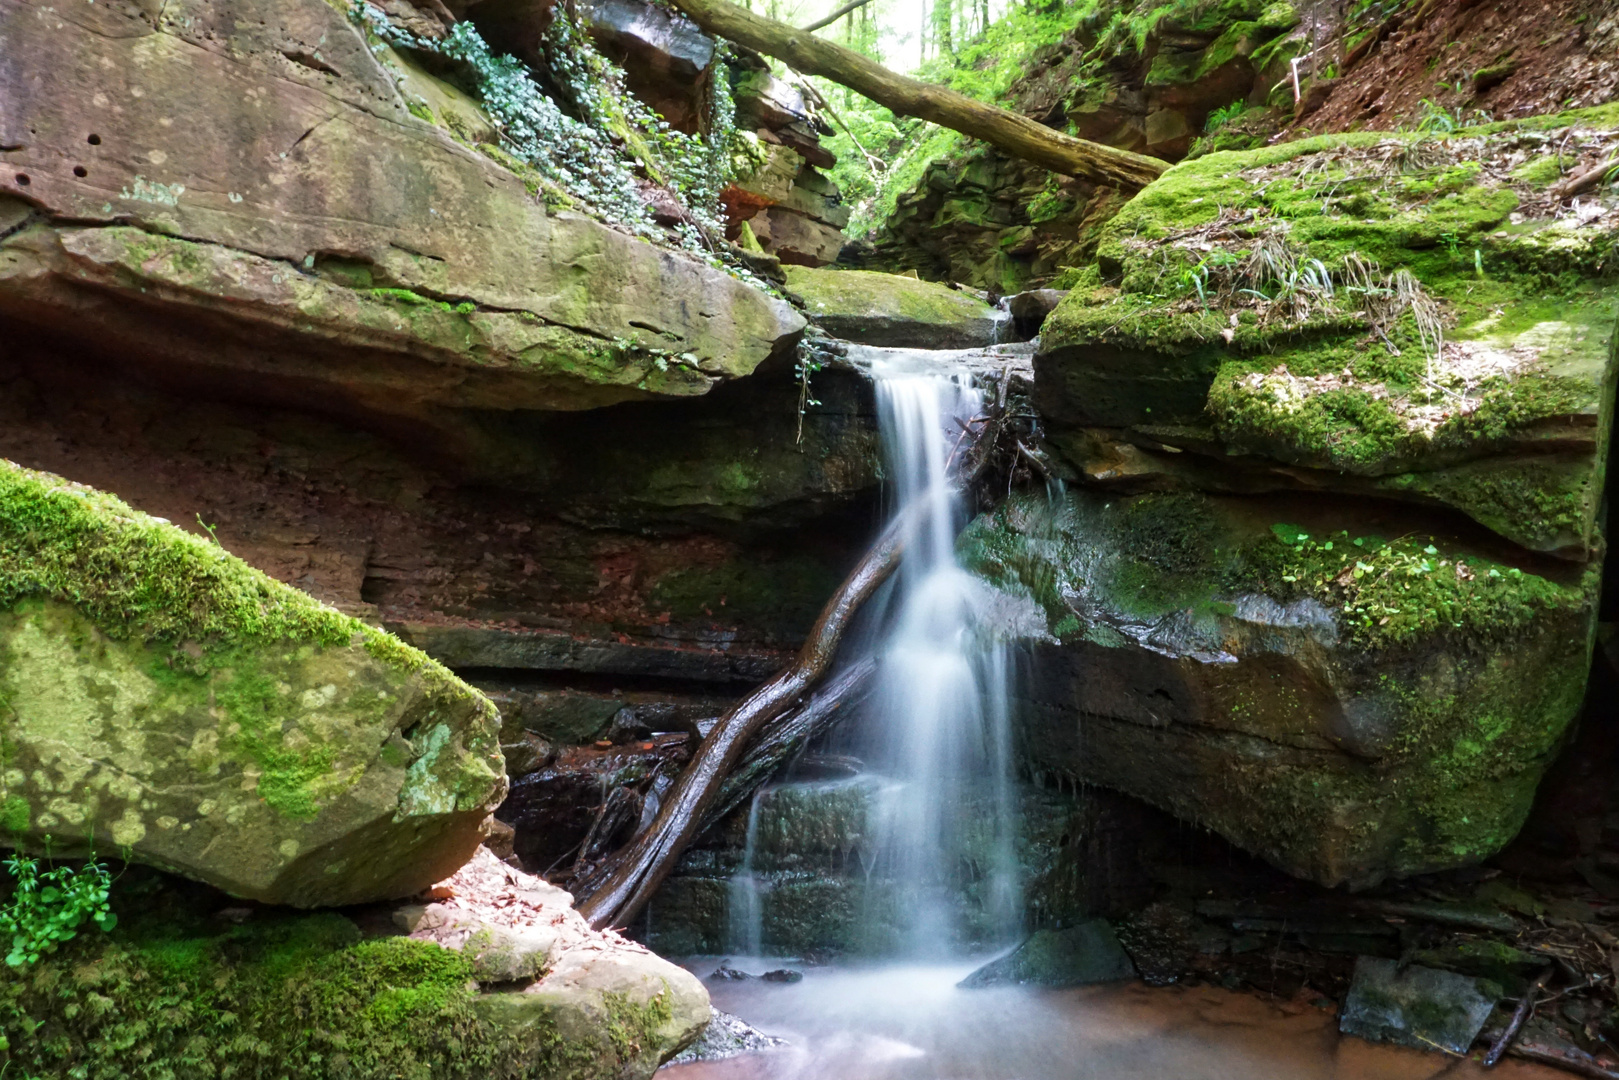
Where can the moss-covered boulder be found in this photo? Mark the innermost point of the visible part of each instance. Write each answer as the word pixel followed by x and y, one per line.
pixel 1405 316
pixel 246 191
pixel 161 699
pixel 889 310
pixel 184 988
pixel 1351 692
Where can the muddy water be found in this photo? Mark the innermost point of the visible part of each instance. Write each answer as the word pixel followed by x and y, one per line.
pixel 911 1023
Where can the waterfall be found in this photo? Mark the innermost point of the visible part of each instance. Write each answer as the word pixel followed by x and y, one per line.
pixel 745 927
pixel 938 721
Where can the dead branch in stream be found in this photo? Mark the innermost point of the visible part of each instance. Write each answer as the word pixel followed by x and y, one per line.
pixel 633 874
pixel 1012 132
pixel 789 733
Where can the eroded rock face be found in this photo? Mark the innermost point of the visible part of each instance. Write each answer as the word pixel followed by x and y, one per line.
pixel 335 247
pixel 162 699
pixel 1344 689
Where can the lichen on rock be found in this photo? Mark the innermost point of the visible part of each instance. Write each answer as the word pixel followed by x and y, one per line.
pixel 161 699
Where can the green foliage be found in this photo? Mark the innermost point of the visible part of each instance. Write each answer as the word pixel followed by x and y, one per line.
pixel 983 69
pixel 598 140
pixel 1222 116
pixel 47 909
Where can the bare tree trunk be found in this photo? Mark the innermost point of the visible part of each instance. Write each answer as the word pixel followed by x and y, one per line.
pixel 634 874
pixel 1016 134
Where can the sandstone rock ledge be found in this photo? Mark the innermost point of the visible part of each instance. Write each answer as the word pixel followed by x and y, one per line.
pixel 237 192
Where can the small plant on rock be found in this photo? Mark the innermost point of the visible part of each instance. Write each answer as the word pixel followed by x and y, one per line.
pixel 47 909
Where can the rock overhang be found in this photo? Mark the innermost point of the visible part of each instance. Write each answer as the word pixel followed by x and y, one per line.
pixel 239 188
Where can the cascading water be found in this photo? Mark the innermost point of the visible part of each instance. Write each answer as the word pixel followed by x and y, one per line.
pixel 745 928
pixel 938 718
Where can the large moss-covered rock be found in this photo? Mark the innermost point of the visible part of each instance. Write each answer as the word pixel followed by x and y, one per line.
pixel 1395 315
pixel 884 309
pixel 252 194
pixel 268 994
pixel 1349 691
pixel 161 699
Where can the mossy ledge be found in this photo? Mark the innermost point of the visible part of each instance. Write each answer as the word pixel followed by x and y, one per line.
pixel 1347 705
pixel 1402 310
pixel 342 764
pixel 179 993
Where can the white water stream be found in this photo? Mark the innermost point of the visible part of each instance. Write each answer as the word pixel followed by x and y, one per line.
pixel 938 719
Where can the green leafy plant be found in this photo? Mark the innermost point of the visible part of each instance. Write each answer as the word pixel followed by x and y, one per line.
pixel 1436 119
pixel 47 909
pixel 1222 116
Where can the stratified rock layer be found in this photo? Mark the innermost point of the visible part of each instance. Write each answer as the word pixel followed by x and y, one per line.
pixel 162 700
pixel 1391 316
pixel 251 196
pixel 1346 690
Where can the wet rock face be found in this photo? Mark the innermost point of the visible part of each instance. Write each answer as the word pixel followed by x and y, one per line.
pixel 1348 692
pixel 1078 956
pixel 819 887
pixel 667 60
pixel 342 250
pixel 163 699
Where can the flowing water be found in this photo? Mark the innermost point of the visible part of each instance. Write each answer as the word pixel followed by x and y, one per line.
pixel 910 1022
pixel 937 723
pixel 937 730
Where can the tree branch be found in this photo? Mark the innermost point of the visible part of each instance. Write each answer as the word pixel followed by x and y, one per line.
pixel 835 16
pixel 635 873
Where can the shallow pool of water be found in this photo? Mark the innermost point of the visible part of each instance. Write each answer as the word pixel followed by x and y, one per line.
pixel 910 1022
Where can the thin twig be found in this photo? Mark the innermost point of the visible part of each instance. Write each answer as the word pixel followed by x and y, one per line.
pixel 1526 1005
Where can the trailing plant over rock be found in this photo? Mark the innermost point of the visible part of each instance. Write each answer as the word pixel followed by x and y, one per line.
pixel 606 145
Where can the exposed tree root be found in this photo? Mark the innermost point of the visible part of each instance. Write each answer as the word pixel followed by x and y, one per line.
pixel 630 877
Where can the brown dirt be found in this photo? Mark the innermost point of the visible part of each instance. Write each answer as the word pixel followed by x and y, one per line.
pixel 1566 54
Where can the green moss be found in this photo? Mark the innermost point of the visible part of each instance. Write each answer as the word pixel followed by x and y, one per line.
pixel 1398 592
pixel 281 997
pixel 14 815
pixel 139 578
pixel 1546 503
pixel 1541 172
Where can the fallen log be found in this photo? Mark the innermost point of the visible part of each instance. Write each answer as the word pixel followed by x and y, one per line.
pixel 630 877
pixel 1019 136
